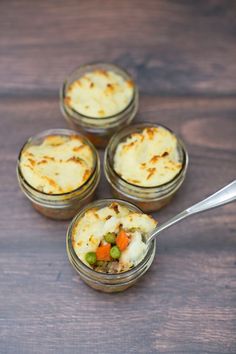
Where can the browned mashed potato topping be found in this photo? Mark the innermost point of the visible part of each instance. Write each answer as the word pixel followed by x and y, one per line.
pixel 99 94
pixel 59 164
pixel 149 158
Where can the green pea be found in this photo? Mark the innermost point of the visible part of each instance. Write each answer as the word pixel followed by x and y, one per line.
pixel 115 252
pixel 110 237
pixel 91 258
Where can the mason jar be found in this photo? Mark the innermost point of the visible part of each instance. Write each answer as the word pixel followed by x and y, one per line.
pixel 66 205
pixel 97 129
pixel 108 283
pixel 147 198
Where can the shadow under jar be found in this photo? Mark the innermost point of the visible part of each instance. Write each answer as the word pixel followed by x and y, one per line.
pixel 65 205
pixel 147 198
pixel 98 129
pixel 108 283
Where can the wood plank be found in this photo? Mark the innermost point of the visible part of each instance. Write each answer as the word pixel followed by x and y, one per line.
pixel 182 54
pixel 186 302
pixel 171 47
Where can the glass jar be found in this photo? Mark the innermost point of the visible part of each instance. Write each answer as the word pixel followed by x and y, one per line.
pixel 60 206
pixel 147 198
pixel 108 283
pixel 98 130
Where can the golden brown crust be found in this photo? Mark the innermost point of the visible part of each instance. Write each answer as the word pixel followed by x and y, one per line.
pixel 32 162
pixel 75 159
pixel 51 182
pixel 101 112
pixel 78 148
pixel 42 162
pixel 154 158
pixel 134 181
pixel 67 101
pixel 54 140
pixel 102 72
pixel 151 132
pixel 49 158
pixel 115 207
pixel 108 217
pixel 151 172
pixel 130 83
pixel 86 175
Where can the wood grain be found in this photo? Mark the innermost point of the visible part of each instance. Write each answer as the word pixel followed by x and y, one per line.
pixel 182 54
pixel 183 47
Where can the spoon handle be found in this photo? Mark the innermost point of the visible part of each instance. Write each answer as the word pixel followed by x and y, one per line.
pixel 221 197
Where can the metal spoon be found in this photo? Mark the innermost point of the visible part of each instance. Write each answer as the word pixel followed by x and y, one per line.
pixel 221 197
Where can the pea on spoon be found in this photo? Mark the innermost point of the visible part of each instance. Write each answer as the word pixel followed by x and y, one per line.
pixel 221 197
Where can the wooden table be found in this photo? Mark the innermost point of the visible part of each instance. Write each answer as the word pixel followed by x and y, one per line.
pixel 182 54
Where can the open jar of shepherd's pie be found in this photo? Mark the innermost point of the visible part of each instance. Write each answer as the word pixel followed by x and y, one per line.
pixel 58 170
pixel 84 233
pixel 97 99
pixel 146 165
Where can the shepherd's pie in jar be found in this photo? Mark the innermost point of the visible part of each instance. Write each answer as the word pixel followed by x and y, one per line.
pixel 58 170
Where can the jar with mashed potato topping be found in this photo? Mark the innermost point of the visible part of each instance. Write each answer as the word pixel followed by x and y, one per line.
pixel 105 259
pixel 145 164
pixel 97 99
pixel 58 170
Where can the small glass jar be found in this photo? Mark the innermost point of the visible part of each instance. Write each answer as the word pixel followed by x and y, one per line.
pixel 108 283
pixel 60 206
pixel 147 198
pixel 98 130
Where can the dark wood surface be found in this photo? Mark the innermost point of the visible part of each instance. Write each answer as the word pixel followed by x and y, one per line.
pixel 182 54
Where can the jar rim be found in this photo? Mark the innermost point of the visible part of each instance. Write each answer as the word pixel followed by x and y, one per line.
pixel 63 132
pixel 107 157
pixel 116 67
pixel 106 276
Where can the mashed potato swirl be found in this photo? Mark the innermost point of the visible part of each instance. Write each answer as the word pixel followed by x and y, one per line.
pixel 99 94
pixel 149 158
pixel 59 164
